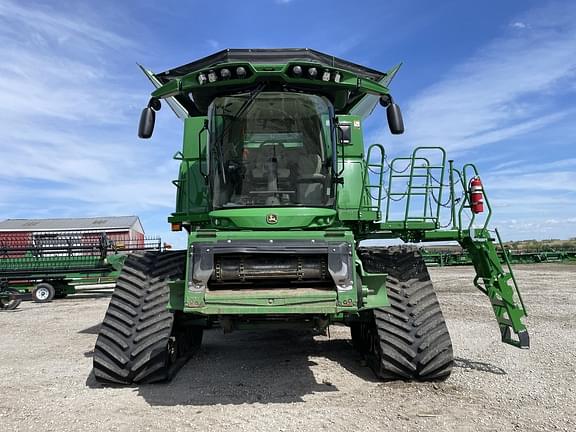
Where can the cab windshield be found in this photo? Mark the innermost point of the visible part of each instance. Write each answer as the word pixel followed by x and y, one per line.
pixel 271 149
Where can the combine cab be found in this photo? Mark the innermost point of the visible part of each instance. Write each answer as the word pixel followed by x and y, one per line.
pixel 275 192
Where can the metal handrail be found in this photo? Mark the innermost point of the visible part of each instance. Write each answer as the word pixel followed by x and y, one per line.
pixel 366 178
pixel 428 187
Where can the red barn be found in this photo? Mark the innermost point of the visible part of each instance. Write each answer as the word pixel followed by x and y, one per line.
pixel 22 233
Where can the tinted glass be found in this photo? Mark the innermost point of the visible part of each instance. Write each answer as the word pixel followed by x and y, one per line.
pixel 269 151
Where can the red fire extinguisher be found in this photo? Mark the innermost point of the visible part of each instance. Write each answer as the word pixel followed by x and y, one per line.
pixel 476 195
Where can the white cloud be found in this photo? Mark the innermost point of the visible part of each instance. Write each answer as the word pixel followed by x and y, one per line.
pixel 536 229
pixel 522 167
pixel 549 181
pixel 68 140
pixel 534 200
pixel 518 25
pixel 503 91
pixel 508 164
pixel 48 25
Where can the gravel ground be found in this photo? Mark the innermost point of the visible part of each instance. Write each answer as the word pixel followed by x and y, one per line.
pixel 284 381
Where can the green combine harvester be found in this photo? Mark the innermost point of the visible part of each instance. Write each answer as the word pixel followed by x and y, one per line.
pixel 275 191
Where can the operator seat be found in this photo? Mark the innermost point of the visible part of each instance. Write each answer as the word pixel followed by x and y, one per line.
pixel 263 157
pixel 310 180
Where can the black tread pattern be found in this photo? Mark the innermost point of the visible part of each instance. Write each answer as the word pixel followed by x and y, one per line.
pixel 414 343
pixel 13 299
pixel 132 345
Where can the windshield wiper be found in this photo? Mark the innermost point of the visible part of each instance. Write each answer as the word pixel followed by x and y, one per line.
pixel 253 94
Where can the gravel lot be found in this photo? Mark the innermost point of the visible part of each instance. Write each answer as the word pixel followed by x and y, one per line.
pixel 283 381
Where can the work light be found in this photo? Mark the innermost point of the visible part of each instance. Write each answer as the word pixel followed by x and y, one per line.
pixel 225 73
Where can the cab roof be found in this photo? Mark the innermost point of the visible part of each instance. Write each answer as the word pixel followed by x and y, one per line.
pixel 196 101
pixel 269 56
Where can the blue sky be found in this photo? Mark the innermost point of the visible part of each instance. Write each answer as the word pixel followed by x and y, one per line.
pixel 494 82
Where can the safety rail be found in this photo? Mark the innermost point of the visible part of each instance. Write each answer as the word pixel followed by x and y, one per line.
pixel 412 190
pixel 413 193
pixel 368 201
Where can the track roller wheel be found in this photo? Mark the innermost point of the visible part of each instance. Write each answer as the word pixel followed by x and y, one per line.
pixel 10 299
pixel 408 340
pixel 140 340
pixel 43 293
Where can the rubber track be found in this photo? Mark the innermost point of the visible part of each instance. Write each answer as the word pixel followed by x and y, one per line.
pixel 133 338
pixel 13 301
pixel 414 339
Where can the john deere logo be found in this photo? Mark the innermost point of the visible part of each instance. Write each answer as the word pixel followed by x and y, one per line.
pixel 272 218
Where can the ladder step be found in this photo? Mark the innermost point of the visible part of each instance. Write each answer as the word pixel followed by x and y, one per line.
pixel 505 322
pixel 497 302
pixel 493 281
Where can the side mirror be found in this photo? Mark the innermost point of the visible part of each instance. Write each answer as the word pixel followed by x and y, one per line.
pixel 394 115
pixel 395 121
pixel 148 119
